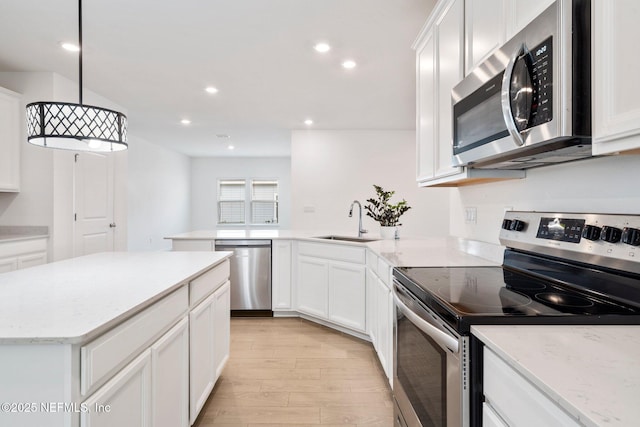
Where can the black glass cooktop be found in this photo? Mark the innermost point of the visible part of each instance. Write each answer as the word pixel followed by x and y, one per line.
pixel 496 295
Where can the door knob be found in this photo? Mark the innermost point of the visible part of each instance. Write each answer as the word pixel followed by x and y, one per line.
pixel 112 225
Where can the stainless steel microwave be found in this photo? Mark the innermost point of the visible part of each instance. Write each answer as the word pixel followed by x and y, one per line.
pixel 529 103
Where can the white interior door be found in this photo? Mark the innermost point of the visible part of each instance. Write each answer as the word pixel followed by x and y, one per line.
pixel 93 202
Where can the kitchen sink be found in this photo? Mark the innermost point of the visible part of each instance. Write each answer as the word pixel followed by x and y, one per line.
pixel 348 238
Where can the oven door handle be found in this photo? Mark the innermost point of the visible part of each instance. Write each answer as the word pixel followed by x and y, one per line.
pixel 443 339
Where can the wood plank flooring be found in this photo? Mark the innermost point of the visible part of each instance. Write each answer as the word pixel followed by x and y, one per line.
pixel 292 372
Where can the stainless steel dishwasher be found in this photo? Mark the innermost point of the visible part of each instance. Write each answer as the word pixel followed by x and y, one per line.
pixel 250 276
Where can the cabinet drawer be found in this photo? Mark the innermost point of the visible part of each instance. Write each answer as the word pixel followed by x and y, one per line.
pixel 518 401
pixel 208 282
pixel 104 356
pixel 338 252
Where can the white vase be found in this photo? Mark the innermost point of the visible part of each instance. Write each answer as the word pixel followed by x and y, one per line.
pixel 388 232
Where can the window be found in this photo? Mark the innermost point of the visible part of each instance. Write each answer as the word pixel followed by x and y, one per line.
pixel 264 202
pixel 231 201
pixel 261 194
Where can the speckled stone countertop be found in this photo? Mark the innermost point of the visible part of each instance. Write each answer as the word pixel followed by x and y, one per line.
pixel 9 233
pixel 404 252
pixel 74 300
pixel 592 372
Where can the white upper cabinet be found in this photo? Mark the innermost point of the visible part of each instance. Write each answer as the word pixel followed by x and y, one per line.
pixel 440 54
pixel 521 12
pixel 9 141
pixel 616 125
pixel 484 30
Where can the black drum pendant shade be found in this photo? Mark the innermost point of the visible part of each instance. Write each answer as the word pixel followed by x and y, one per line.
pixel 76 127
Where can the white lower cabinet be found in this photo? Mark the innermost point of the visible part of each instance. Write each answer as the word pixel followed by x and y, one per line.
pixel 515 400
pixel 380 311
pixel 347 295
pixel 170 378
pixel 123 401
pixel 331 284
pixel 222 327
pixel 16 255
pixel 209 338
pixel 281 275
pixel 313 286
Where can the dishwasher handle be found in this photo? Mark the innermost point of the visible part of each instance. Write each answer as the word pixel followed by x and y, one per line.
pixel 249 243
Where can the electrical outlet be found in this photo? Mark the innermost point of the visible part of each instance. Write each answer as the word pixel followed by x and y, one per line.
pixel 471 215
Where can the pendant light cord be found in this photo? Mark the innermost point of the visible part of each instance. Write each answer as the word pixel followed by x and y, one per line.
pixel 80 46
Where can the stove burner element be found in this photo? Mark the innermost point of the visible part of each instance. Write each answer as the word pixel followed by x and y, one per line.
pixel 564 300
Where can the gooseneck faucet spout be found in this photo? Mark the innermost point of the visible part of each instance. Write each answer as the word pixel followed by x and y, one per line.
pixel 361 231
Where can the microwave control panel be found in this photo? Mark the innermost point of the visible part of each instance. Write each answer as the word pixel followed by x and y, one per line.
pixel 542 79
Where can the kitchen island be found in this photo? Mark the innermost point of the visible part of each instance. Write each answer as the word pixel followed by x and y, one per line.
pixel 134 339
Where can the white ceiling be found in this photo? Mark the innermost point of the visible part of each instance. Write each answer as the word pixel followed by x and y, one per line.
pixel 155 57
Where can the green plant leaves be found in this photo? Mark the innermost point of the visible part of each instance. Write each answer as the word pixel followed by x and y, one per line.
pixel 381 210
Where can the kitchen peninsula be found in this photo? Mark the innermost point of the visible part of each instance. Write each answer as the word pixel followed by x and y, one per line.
pixel 113 339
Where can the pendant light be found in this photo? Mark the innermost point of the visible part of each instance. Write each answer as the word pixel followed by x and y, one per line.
pixel 78 126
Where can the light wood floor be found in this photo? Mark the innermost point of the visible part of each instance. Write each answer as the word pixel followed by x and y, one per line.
pixel 292 372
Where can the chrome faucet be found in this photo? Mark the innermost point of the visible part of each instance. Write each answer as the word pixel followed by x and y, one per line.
pixel 361 231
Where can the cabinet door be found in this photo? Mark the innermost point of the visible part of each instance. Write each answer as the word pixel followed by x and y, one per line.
pixel 31 260
pixel 8 264
pixel 450 71
pixel 617 112
pixel 170 378
pixel 123 401
pixel 372 311
pixel 485 30
pixel 281 277
pixel 385 326
pixel 426 106
pixel 313 286
pixel 222 326
pixel 10 123
pixel 521 12
pixel 202 371
pixel 347 295
pixel 490 418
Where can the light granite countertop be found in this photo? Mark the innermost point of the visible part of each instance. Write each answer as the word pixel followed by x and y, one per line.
pixel 403 252
pixel 593 372
pixel 72 301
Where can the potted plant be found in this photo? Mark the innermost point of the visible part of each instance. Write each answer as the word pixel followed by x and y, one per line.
pixel 387 214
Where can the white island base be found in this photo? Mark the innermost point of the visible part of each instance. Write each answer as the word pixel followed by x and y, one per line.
pixel 113 339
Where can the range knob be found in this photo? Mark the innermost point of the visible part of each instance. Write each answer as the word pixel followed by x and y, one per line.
pixel 631 236
pixel 506 224
pixel 610 234
pixel 591 232
pixel 517 225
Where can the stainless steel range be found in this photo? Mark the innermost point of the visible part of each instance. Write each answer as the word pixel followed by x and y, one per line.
pixel 558 268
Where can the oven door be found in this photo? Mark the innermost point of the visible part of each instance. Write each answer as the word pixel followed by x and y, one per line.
pixel 429 367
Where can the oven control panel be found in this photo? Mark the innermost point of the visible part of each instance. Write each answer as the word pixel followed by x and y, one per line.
pixel 590 238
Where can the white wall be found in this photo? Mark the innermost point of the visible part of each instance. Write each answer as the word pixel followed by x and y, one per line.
pixel 206 171
pixel 159 195
pixel 330 169
pixel 598 185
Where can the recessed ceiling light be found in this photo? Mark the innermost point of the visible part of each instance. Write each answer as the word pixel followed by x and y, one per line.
pixel 349 64
pixel 223 136
pixel 230 147
pixel 308 122
pixel 322 47
pixel 185 121
pixel 70 47
pixel 211 89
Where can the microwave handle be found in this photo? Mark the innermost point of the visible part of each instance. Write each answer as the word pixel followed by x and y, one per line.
pixel 506 101
pixel 443 339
